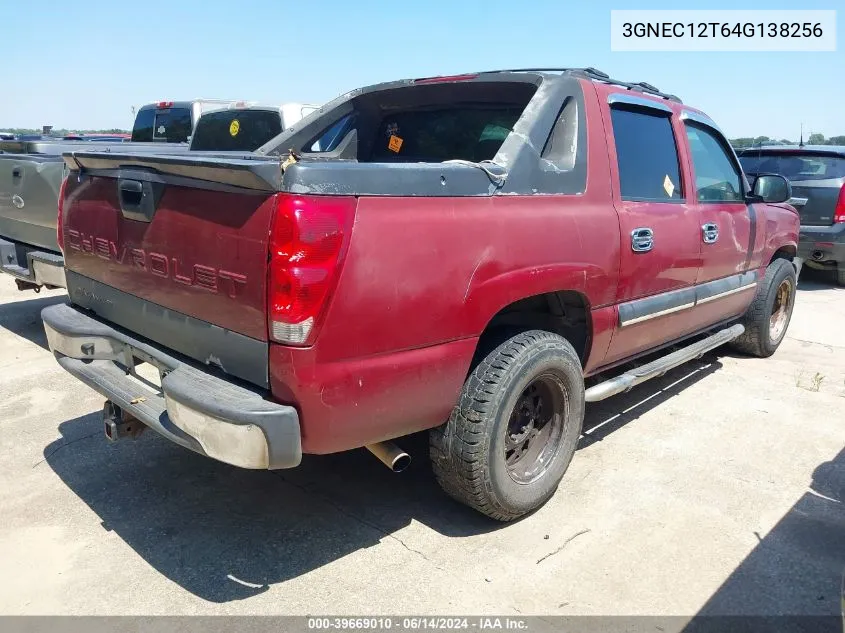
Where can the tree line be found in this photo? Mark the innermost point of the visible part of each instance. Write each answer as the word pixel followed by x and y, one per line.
pixel 813 139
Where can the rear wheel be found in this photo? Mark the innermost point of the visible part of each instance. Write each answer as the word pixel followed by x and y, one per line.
pixel 514 430
pixel 840 274
pixel 769 314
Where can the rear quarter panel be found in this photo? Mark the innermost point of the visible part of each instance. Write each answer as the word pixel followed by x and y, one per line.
pixel 422 279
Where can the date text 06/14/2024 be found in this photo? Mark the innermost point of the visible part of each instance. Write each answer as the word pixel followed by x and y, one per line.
pixel 420 623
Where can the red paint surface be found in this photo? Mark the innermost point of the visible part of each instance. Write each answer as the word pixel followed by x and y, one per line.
pixel 204 253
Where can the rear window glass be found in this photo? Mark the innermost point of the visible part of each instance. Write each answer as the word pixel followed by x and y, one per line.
pixel 795 166
pixel 462 132
pixel 236 130
pixel 172 125
pixel 428 122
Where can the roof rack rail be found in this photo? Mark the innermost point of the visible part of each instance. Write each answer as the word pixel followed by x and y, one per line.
pixel 638 86
pixel 593 74
pixel 587 71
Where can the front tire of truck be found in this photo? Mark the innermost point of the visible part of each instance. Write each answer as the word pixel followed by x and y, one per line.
pixel 514 430
pixel 769 314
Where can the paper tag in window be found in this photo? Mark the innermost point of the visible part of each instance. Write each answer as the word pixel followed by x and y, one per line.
pixel 395 144
pixel 668 186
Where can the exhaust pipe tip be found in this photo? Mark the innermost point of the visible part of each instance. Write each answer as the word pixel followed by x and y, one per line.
pixel 390 455
pixel 401 463
pixel 818 255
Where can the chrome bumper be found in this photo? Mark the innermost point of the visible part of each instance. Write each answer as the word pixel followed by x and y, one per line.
pixel 193 408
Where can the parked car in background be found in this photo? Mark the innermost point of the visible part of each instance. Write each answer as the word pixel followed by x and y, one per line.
pixel 31 175
pixel 449 253
pixel 244 126
pixel 817 175
pixel 172 121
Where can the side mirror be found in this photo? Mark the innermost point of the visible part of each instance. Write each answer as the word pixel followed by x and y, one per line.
pixel 772 188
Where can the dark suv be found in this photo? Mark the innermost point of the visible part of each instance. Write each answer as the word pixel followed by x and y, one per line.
pixel 817 174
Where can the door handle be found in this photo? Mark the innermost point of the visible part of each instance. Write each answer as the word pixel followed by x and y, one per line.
pixel 709 233
pixel 642 240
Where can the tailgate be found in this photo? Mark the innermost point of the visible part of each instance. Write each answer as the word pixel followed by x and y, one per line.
pixel 179 259
pixel 821 197
pixel 29 192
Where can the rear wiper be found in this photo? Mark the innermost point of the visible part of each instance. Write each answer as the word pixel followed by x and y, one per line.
pixel 497 179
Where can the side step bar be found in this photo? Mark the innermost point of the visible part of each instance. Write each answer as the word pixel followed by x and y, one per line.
pixel 629 379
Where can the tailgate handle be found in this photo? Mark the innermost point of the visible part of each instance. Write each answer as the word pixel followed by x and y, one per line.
pixel 138 198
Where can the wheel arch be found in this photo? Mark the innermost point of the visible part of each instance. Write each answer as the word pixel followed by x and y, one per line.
pixel 788 251
pixel 564 312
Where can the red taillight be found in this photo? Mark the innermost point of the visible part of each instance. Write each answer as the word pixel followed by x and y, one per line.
pixel 165 104
pixel 60 237
pixel 839 214
pixel 308 240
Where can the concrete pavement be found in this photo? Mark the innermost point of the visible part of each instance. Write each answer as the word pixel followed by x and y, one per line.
pixel 716 489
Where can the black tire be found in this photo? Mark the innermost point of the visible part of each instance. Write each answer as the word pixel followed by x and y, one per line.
pixel 840 274
pixel 759 339
pixel 468 453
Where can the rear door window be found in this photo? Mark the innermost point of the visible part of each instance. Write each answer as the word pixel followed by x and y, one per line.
pixel 647 156
pixel 795 166
pixel 236 130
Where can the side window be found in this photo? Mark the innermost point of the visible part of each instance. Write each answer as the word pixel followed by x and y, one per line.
pixel 717 179
pixel 562 144
pixel 647 155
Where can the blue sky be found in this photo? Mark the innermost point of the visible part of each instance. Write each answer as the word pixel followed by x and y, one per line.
pixel 84 64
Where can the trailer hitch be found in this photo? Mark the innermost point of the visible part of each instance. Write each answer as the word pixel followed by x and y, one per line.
pixel 118 423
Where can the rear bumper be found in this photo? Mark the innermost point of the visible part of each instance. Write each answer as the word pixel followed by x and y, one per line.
pixel 40 268
pixel 195 409
pixel 822 243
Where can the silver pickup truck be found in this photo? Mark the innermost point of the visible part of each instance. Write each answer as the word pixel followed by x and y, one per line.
pixel 31 174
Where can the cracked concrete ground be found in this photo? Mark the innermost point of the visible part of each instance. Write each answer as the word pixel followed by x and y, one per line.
pixel 716 489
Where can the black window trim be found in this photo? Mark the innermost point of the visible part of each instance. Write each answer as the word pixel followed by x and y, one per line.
pixel 697 119
pixel 633 104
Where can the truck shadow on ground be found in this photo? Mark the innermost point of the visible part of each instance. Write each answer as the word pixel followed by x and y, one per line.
pixel 24 317
pixel 797 568
pixel 227 534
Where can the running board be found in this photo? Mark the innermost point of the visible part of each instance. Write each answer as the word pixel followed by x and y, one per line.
pixel 629 379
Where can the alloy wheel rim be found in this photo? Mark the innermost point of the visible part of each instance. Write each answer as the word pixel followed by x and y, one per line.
pixel 780 310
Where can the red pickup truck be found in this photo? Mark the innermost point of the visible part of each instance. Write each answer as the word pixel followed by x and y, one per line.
pixel 453 253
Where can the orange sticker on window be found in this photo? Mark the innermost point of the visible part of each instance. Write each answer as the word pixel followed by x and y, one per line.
pixel 395 144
